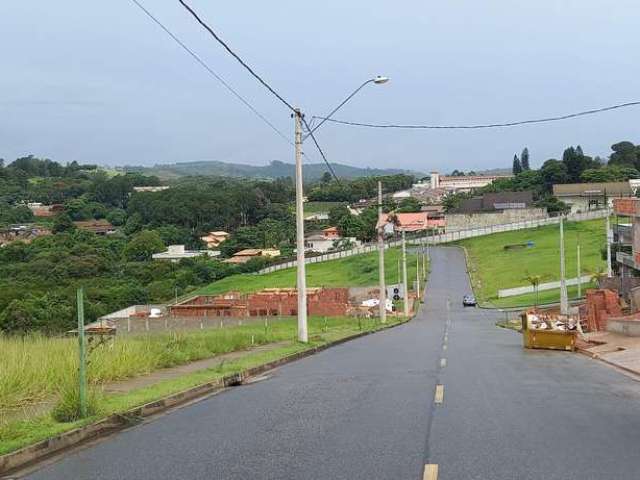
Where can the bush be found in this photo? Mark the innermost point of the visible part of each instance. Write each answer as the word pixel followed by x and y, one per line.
pixel 68 407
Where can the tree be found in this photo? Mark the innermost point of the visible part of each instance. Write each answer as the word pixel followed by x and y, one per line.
pixel 576 163
pixel 553 172
pixel 409 205
pixel 625 153
pixel 63 223
pixel 143 245
pixel 524 160
pixel 517 167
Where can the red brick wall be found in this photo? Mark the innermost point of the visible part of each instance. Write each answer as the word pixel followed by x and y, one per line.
pixel 601 304
pixel 324 302
pixel 626 206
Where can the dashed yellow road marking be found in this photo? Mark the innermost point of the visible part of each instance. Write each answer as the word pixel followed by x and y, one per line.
pixel 444 347
pixel 430 472
pixel 443 362
pixel 439 396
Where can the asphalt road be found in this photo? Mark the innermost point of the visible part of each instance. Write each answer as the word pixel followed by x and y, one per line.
pixel 365 410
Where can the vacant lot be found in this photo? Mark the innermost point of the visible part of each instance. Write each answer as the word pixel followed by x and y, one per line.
pixel 37 370
pixel 355 271
pixel 493 267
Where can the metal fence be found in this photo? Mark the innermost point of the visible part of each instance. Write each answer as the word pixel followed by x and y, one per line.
pixel 440 238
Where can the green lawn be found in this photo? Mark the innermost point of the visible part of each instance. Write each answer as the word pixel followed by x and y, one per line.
pixel 320 207
pixel 20 433
pixel 547 296
pixel 493 268
pixel 355 271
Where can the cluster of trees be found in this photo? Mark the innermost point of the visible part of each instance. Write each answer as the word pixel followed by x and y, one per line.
pixel 38 280
pixel 328 190
pixel 576 167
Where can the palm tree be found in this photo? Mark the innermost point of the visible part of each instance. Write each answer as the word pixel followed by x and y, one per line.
pixel 535 281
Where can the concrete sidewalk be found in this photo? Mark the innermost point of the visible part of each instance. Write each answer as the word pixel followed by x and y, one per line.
pixel 618 350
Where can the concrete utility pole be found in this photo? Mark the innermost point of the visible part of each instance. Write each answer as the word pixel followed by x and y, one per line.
pixel 383 294
pixel 609 235
pixel 579 270
pixel 303 335
pixel 418 277
pixel 82 369
pixel 564 300
pixel 404 275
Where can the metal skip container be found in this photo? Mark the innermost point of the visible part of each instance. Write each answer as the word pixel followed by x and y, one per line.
pixel 547 332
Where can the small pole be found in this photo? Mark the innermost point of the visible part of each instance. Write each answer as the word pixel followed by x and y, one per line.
pixel 418 277
pixel 579 271
pixel 609 235
pixel 382 297
pixel 404 275
pixel 564 301
pixel 82 370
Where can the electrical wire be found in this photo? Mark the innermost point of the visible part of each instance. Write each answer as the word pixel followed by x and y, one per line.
pixel 197 58
pixel 236 56
pixel 263 82
pixel 313 137
pixel 480 126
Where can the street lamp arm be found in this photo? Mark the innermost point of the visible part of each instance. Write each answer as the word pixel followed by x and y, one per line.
pixel 340 106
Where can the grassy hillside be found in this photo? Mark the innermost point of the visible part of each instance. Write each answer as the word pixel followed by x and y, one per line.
pixel 493 268
pixel 359 270
pixel 275 169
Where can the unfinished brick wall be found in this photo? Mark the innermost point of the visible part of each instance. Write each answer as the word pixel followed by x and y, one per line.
pixel 268 302
pixel 601 304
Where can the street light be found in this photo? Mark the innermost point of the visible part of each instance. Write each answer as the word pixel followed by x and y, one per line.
pixel 303 335
pixel 378 80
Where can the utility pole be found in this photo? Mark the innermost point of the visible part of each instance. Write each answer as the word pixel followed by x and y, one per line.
pixel 579 270
pixel 564 301
pixel 609 235
pixel 404 275
pixel 303 335
pixel 383 294
pixel 82 368
pixel 418 277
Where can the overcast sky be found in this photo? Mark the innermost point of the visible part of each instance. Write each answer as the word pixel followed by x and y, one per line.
pixel 99 82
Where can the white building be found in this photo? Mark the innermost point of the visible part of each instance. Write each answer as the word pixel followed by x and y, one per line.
pixel 175 253
pixel 326 241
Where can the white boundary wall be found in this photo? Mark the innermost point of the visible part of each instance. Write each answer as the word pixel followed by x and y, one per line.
pixel 512 292
pixel 441 238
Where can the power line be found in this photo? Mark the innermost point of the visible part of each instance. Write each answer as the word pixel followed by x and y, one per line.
pixel 479 126
pixel 197 58
pixel 313 137
pixel 236 56
pixel 263 82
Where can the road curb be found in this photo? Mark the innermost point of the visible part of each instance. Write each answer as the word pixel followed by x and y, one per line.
pixel 32 454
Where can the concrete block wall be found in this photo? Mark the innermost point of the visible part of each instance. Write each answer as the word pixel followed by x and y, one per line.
pixel 465 221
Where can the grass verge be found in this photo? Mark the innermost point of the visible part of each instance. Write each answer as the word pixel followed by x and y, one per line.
pixel 492 267
pixel 355 271
pixel 18 434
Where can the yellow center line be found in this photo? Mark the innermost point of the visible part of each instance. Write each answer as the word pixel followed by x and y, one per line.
pixel 430 472
pixel 439 396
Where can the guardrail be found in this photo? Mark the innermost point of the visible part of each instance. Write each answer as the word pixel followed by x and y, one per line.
pixel 440 238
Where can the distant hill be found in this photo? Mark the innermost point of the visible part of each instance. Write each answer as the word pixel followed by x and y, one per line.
pixel 276 169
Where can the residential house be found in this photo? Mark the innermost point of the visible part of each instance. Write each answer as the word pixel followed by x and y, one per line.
pixel 582 197
pixel 23 233
pixel 243 256
pixel 326 240
pixel 176 253
pixel 462 183
pixel 157 188
pixel 40 210
pixel 214 239
pixel 492 202
pixel 408 222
